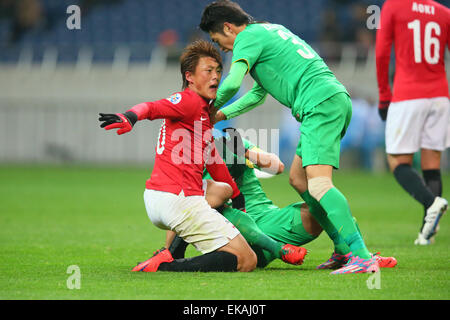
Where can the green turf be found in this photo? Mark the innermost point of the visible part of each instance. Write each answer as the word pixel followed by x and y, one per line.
pixel 95 218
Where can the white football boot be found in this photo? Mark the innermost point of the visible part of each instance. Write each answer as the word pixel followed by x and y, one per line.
pixel 434 214
pixel 422 241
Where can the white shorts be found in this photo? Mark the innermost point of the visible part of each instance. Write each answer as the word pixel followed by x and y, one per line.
pixel 191 218
pixel 417 124
pixel 447 145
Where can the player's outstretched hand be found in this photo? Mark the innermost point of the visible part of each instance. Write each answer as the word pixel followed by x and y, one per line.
pixel 383 107
pixel 122 121
pixel 238 202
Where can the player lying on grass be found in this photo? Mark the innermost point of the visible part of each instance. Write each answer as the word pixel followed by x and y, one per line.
pixel 174 198
pixel 286 67
pixel 267 227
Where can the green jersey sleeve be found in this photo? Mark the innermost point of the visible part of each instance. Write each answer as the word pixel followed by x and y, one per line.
pixel 247 47
pixel 255 97
pixel 286 67
pixel 230 86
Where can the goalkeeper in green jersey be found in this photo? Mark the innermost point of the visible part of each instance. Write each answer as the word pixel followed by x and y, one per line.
pixel 266 227
pixel 285 66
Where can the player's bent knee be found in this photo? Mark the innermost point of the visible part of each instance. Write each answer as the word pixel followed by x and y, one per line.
pixel 298 183
pixel 318 186
pixel 248 263
pixel 225 191
pixel 309 222
pixel 217 193
pixel 396 160
pixel 246 257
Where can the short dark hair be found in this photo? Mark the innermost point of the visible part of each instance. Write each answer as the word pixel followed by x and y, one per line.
pixel 192 54
pixel 216 13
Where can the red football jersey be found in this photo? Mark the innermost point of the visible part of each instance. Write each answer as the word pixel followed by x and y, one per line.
pixel 185 144
pixel 420 32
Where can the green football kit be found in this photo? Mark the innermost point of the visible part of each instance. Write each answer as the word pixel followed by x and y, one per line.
pixel 265 226
pixel 283 225
pixel 287 68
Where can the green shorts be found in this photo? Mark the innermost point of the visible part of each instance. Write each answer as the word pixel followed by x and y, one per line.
pixel 322 130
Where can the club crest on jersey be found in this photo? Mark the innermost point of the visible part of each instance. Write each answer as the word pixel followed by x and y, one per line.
pixel 175 98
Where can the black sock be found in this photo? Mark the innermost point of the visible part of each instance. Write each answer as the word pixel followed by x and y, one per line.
pixel 262 259
pixel 217 261
pixel 434 181
pixel 178 247
pixel 413 183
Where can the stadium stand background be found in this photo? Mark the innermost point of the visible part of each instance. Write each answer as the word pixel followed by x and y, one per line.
pixel 54 81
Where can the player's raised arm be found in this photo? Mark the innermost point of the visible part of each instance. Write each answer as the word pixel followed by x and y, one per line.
pixel 385 35
pixel 170 108
pixel 173 108
pixel 232 83
pixel 255 97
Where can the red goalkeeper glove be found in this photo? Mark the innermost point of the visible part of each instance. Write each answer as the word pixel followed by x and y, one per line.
pixel 122 121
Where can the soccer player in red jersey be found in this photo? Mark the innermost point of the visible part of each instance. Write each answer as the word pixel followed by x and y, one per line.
pixel 417 110
pixel 174 196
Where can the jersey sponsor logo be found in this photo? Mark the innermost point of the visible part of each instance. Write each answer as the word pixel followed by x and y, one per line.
pixel 203 119
pixel 175 98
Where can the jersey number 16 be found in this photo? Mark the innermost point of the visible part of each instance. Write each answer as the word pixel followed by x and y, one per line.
pixel 430 57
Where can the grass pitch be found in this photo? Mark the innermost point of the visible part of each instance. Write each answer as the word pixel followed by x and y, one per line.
pixel 94 218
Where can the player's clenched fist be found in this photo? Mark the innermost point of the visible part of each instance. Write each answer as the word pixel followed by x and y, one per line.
pixel 383 107
pixel 122 121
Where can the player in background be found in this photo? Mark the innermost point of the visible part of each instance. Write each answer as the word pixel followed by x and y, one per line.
pixel 173 197
pixel 285 66
pixel 417 110
pixel 270 226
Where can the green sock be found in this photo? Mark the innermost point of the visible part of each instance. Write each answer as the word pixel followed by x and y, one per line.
pixel 357 226
pixel 336 205
pixel 251 232
pixel 321 217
